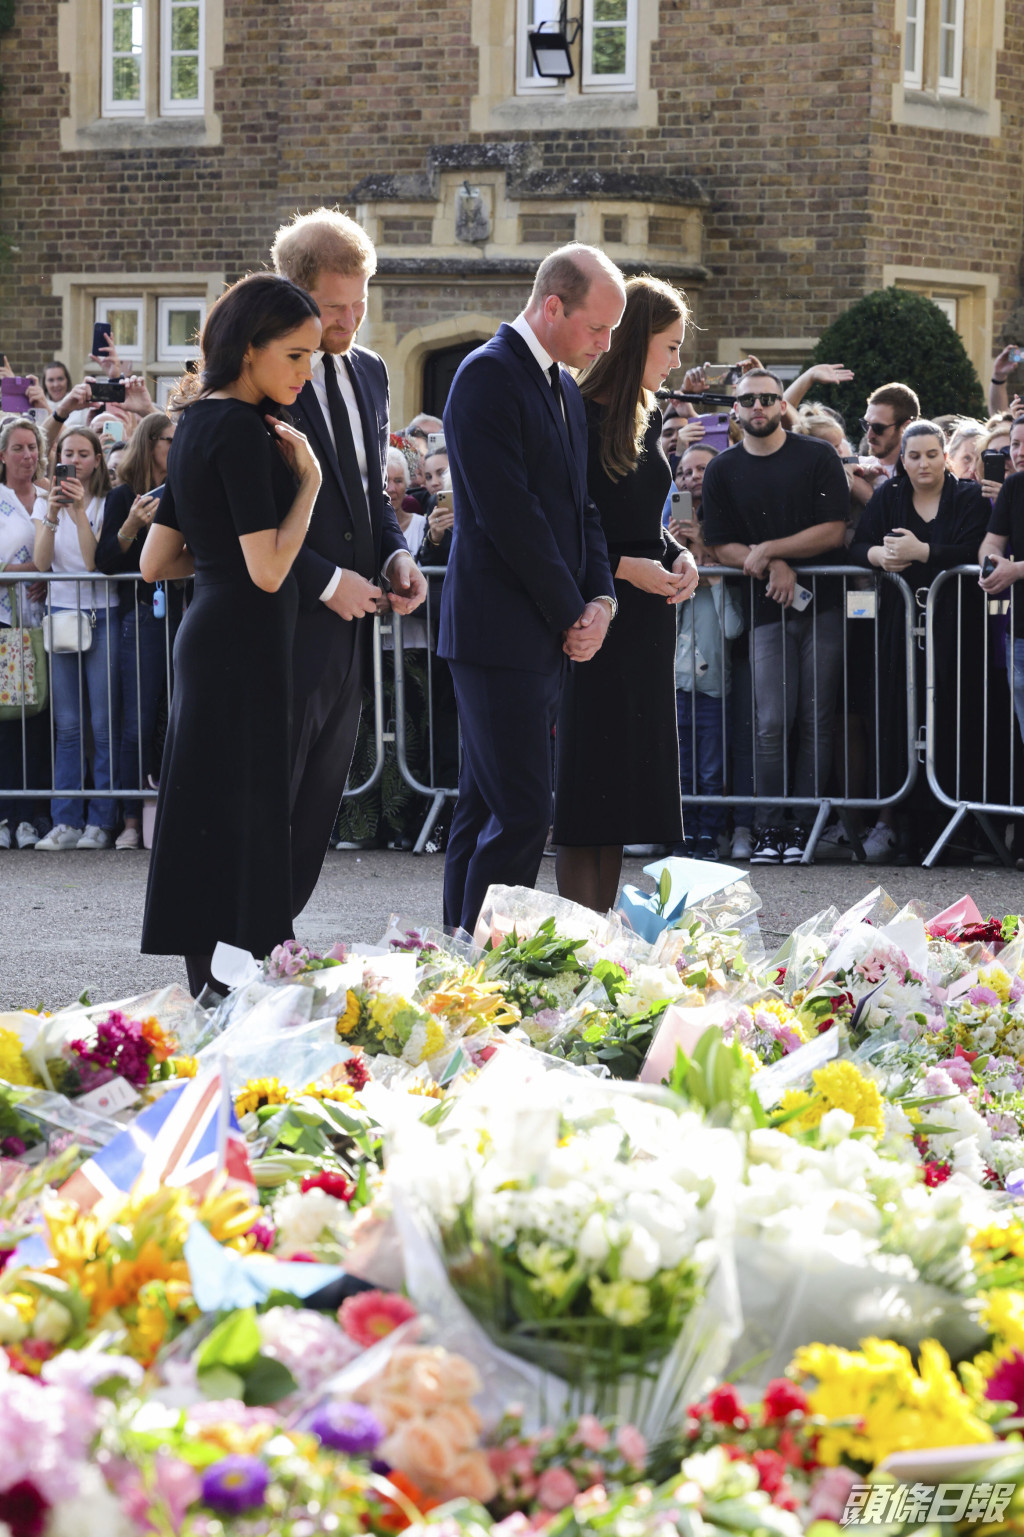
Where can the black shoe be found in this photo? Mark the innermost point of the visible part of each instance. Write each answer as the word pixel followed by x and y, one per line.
pixel 796 843
pixel 403 845
pixel 769 846
pixel 707 848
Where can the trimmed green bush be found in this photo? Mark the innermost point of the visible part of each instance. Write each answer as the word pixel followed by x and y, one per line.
pixel 893 336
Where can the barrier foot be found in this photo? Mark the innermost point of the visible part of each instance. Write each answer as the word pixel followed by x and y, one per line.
pixel 815 833
pixel 944 837
pixel 999 844
pixel 428 826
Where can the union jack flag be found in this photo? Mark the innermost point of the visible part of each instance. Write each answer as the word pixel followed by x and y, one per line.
pixel 186 1140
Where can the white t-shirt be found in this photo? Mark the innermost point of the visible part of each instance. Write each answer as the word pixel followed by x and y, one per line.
pixel 17 542
pixel 67 560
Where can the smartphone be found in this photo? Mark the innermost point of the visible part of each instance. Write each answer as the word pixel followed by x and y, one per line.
pixel 14 394
pixel 1017 355
pixel 850 458
pixel 100 331
pixel 988 565
pixel 443 502
pixel 802 596
pixel 114 430
pixel 993 465
pixel 682 506
pixel 107 389
pixel 64 472
pixel 716 430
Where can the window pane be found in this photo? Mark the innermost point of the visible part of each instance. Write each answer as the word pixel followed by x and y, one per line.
pixel 947 54
pixel 124 29
pixel 949 13
pixel 182 326
pixel 185 29
pixel 123 325
pixel 184 79
pixel 610 10
pixel 126 79
pixel 609 55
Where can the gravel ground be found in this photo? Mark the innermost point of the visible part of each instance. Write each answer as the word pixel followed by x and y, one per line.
pixel 71 921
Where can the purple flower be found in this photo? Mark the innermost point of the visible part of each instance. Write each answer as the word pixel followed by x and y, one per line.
pixel 12 1147
pixel 1006 1384
pixel 983 997
pixel 348 1428
pixel 235 1484
pixel 289 959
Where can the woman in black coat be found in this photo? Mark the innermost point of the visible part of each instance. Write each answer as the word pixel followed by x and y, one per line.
pixel 922 522
pixel 618 756
pixel 240 490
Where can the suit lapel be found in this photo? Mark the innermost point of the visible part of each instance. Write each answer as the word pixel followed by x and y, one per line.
pixel 314 419
pixel 371 441
pixel 539 382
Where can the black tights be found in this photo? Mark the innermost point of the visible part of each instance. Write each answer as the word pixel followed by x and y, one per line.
pixel 199 974
pixel 590 876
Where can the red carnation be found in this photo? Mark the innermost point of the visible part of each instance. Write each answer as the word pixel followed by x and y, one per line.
pixel 356 1072
pixel 23 1509
pixel 936 1173
pixel 783 1398
pixel 726 1407
pixel 771 1469
pixel 337 1185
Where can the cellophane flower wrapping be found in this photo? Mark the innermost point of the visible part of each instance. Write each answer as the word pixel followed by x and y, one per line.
pixel 278 1027
pixel 567 1231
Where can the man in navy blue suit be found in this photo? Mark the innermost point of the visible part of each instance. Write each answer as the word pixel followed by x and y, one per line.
pixel 528 582
pixel 354 545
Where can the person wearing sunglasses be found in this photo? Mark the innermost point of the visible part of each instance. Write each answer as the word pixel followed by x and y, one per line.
pixel 773 499
pixel 888 411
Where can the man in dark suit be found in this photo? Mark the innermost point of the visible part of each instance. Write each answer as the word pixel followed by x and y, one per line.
pixel 354 546
pixel 528 580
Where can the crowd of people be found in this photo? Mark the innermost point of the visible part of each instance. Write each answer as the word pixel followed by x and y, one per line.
pixel 783 696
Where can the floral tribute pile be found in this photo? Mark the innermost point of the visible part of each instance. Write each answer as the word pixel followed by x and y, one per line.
pixel 551 1228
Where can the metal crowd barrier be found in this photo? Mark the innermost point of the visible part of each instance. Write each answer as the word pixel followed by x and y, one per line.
pixel 437 793
pixel 838 784
pixel 985 760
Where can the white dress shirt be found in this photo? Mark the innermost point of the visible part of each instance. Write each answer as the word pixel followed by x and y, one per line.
pixel 544 359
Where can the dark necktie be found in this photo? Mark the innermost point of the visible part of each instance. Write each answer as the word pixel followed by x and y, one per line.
pixel 348 464
pixel 556 385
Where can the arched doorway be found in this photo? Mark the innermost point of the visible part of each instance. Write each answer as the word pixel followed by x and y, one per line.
pixel 439 369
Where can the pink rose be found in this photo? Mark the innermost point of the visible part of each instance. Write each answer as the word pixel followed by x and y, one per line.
pixel 472 1478
pixel 591 1433
pixel 459 1424
pixel 830 1494
pixel 556 1489
pixel 631 1445
pixel 417 1450
pixel 959 1069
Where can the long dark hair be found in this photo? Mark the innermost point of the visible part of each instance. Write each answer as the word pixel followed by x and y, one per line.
pixel 135 467
pixel 251 313
pixel 616 378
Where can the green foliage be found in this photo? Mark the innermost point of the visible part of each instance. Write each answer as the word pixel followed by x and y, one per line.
pixel 894 336
pixel 231 1365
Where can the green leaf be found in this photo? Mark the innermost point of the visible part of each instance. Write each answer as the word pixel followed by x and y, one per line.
pixel 235 1342
pixel 218 1382
pixel 266 1382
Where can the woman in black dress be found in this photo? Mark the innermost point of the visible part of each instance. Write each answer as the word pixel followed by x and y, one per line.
pixel 919 523
pixel 241 485
pixel 618 754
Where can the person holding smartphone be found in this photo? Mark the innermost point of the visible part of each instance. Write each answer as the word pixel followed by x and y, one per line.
pixel 22 821
pixel 86 682
pixel 146 637
pixel 1002 566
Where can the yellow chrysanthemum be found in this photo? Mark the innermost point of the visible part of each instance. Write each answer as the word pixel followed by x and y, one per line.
pixel 259 1092
pixel 350 1019
pixel 998 979
pixel 339 1093
pixel 383 1011
pixel 888 1406
pixel 1003 1316
pixel 14 1066
pixel 837 1086
pixel 183 1067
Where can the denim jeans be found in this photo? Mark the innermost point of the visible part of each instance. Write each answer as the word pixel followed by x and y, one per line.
pixel 707 714
pixel 78 700
pixel 141 693
pixel 1015 676
pixel 797 670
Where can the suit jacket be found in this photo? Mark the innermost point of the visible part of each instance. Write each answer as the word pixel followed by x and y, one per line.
pixel 528 552
pixel 322 637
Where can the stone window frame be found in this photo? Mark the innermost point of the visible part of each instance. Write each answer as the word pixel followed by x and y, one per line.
pixel 964 101
pixel 79 293
pixel 975 293
pixel 585 81
pixel 82 32
pixel 499 104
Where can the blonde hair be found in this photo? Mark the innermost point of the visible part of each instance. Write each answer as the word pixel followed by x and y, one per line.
pixel 11 424
pixel 814 421
pixel 325 240
pixel 965 428
pixel 137 468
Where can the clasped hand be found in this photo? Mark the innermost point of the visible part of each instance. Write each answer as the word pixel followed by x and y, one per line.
pixel 902 548
pixel 586 636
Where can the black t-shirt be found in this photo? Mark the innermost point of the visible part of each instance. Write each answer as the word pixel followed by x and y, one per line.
pixel 747 498
pixel 1007 520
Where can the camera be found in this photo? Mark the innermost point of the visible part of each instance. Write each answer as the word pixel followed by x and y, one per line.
pixel 107 389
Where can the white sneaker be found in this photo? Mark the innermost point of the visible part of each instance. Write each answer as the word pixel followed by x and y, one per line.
pixel 5 836
pixel 26 836
pixel 95 838
pixel 60 838
pixel 880 844
pixel 742 843
pixel 128 838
